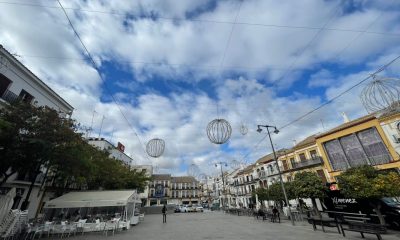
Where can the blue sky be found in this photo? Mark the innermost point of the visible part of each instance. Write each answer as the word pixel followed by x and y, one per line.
pixel 173 67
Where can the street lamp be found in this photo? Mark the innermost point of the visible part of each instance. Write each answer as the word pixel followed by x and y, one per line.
pixel 223 181
pixel 276 131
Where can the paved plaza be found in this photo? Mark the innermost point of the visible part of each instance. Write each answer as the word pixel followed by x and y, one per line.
pixel 217 225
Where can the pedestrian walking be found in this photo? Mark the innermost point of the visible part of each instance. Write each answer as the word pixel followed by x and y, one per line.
pixel 164 212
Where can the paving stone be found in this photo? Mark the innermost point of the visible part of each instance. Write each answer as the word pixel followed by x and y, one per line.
pixel 217 225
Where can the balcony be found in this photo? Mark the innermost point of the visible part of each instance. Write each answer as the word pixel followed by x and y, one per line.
pixel 307 163
pixel 262 174
pixel 9 97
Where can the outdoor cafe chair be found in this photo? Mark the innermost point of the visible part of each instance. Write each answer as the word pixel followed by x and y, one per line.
pixel 93 227
pixel 38 231
pixel 110 226
pixel 48 228
pixel 80 223
pixel 71 229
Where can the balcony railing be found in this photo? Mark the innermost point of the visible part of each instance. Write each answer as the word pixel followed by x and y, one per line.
pixel 309 162
pixel 9 97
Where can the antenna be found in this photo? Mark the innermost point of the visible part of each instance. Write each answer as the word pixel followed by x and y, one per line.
pixel 101 125
pixel 322 123
pixel 91 125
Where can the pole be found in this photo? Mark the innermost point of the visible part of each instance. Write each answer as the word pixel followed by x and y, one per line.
pixel 280 177
pixel 223 185
pixel 101 125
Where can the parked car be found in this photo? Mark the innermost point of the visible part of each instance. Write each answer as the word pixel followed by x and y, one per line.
pixel 199 208
pixel 177 209
pixel 391 210
pixel 190 208
pixel 183 208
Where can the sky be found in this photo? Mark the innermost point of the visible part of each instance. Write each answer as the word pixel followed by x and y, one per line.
pixel 165 69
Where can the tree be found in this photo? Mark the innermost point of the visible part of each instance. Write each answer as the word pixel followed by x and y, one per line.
pixel 15 145
pixel 38 138
pixel 367 183
pixel 275 192
pixel 35 139
pixel 309 185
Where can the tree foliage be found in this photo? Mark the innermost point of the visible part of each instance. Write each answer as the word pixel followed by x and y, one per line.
pixel 36 138
pixel 262 194
pixel 275 192
pixel 365 182
pixel 308 185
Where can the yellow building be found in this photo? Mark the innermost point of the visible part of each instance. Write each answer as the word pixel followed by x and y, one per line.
pixel 304 156
pixel 373 139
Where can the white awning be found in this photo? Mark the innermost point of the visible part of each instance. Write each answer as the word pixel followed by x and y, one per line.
pixel 94 199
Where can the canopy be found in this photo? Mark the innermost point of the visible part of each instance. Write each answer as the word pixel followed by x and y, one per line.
pixel 94 199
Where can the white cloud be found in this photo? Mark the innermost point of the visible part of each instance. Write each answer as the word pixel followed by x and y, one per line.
pixel 249 86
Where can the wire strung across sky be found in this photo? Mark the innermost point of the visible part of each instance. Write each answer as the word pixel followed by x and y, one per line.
pixel 103 80
pixel 361 32
pixel 322 105
pixel 156 17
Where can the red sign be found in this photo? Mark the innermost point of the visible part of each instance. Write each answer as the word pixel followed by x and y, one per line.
pixel 121 147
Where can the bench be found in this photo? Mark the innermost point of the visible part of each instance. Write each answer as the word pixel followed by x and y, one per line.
pixel 362 228
pixel 323 222
pixel 258 214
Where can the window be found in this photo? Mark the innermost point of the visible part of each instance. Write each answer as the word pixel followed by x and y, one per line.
pixel 313 154
pixel 336 155
pixel 374 148
pixel 285 166
pixel 302 157
pixel 364 147
pixel 292 162
pixel 321 174
pixel 25 96
pixel 353 150
pixel 4 84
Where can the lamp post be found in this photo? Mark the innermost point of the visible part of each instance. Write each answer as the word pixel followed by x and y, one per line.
pixel 276 131
pixel 223 181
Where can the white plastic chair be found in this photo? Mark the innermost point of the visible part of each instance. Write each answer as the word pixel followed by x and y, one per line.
pixel 48 227
pixel 80 224
pixel 110 226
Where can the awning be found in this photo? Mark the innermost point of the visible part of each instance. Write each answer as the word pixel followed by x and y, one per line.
pixel 94 199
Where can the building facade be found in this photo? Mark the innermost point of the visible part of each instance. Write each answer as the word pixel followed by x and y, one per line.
pixel 116 152
pixel 368 140
pixel 18 83
pixel 166 189
pixel 304 156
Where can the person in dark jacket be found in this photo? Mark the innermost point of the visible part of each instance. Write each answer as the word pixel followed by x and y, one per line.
pixel 164 212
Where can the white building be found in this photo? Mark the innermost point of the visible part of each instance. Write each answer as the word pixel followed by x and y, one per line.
pixel 116 152
pixel 18 83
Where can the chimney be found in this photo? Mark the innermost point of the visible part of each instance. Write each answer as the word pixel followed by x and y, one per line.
pixel 345 117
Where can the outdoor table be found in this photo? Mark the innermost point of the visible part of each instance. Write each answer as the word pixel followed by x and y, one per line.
pixel 324 221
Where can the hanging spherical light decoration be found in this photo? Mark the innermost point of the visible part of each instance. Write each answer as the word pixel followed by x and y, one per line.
pixel 243 129
pixel 234 164
pixel 193 171
pixel 219 131
pixel 155 147
pixel 381 93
